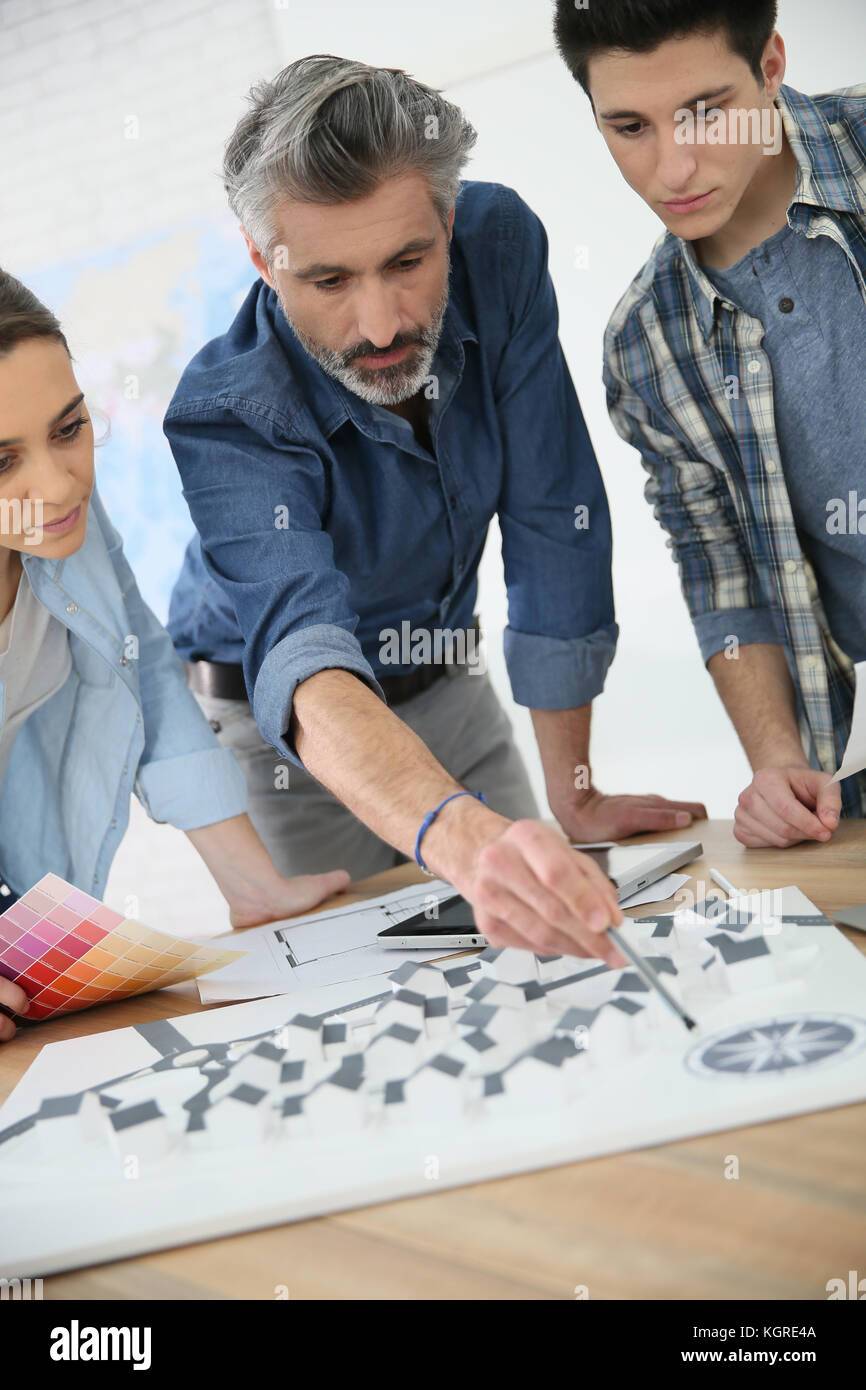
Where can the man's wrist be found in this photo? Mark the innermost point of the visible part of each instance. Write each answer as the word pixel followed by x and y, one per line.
pixel 568 802
pixel 778 755
pixel 460 831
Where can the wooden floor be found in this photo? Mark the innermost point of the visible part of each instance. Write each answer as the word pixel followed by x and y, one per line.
pixel 660 1223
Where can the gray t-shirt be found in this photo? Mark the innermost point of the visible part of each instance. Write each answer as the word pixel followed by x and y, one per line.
pixel 805 294
pixel 34 662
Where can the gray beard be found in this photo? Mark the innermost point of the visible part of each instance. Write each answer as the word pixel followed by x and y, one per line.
pixel 382 385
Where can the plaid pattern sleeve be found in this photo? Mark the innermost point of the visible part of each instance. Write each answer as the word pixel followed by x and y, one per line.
pixel 689 386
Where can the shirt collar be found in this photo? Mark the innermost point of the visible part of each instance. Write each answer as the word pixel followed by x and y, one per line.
pixel 823 181
pixel 36 564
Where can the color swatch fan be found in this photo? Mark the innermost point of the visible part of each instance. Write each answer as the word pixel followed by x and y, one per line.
pixel 67 951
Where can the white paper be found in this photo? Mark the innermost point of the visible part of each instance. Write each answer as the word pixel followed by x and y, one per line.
pixel 855 752
pixel 322 948
pixel 68 1203
pixel 657 892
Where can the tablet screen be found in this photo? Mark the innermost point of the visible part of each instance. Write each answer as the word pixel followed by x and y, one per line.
pixel 454 915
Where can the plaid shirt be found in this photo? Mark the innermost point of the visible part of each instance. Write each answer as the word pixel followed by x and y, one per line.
pixel 689 385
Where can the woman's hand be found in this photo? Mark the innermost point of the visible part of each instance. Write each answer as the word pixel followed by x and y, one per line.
pixel 11 997
pixel 288 896
pixel 248 879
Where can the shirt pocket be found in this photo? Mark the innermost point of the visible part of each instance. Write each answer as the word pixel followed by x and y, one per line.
pixel 93 670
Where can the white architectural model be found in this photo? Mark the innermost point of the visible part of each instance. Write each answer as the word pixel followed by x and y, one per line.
pixel 490 1065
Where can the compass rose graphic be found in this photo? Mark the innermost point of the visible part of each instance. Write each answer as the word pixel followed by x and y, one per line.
pixel 781 1044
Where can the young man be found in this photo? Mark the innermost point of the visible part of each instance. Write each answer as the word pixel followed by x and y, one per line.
pixel 392 381
pixel 736 364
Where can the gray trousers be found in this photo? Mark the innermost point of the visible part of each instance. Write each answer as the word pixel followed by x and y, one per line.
pixel 307 830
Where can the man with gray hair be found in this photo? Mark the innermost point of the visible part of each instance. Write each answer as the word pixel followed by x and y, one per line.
pixel 392 381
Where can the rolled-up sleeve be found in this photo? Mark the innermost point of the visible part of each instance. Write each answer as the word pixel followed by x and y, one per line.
pixel 184 777
pixel 728 626
pixel 257 503
pixel 553 512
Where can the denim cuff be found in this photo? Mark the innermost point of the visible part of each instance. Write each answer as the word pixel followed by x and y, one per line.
pixel 194 789
pixel 321 647
pixel 558 672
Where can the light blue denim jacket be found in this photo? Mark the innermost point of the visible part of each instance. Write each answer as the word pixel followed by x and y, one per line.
pixel 121 722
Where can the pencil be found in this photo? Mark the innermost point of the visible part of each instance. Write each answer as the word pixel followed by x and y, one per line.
pixel 650 976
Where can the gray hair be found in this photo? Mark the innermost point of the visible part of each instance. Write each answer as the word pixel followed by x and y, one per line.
pixel 329 130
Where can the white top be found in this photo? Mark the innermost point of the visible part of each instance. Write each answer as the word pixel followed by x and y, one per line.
pixel 34 662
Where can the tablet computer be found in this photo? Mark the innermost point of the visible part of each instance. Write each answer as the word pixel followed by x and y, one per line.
pixel 633 867
pixel 630 867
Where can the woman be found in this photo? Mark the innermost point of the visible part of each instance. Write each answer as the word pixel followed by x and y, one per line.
pixel 93 699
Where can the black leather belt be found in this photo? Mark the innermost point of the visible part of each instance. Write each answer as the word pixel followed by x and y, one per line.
pixel 224 680
pixel 396 689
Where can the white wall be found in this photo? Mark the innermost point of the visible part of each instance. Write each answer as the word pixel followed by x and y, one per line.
pixel 112 120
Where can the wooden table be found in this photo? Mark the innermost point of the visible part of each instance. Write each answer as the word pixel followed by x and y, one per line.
pixel 660 1223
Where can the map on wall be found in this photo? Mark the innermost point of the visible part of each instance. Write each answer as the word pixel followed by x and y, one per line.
pixel 133 318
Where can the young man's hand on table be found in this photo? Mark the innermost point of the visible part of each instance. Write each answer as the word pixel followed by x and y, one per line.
pixel 782 806
pixel 787 801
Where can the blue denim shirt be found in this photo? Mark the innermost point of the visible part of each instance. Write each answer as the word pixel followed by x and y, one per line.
pixel 123 721
pixel 379 531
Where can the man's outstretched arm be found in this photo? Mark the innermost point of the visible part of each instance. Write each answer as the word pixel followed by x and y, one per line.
pixel 527 888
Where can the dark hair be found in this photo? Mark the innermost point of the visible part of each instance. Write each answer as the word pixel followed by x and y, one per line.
pixel 23 316
pixel 638 26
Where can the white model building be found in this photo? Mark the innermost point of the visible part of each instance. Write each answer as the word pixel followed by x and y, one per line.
pixel 742 965
pixel 392 1053
pixel 437 1087
pixel 424 979
pixel 509 964
pixel 303 1037
pixel 612 1036
pixel 141 1132
pixel 541 1074
pixel 404 1006
pixel 338 1102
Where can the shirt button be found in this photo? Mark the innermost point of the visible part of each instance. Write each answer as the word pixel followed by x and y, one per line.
pixel 72 607
pixel 754 365
pixel 791 566
pixel 786 305
pixel 123 661
pixel 770 465
pixel 114 825
pixel 125 771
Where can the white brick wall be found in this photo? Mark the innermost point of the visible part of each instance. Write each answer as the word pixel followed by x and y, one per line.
pixel 72 73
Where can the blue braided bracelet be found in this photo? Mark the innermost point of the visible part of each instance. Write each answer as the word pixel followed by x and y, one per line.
pixel 429 819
